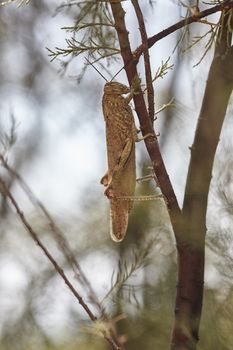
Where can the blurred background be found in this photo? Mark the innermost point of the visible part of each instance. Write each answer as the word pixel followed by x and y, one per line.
pixel 53 112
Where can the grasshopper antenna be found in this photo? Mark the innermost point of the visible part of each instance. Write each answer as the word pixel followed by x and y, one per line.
pixel 117 73
pixel 91 64
pixel 96 69
pixel 120 70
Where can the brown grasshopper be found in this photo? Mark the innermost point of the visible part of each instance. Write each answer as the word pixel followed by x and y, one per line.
pixel 121 135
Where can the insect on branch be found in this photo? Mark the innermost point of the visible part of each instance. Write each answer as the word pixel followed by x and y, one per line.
pixel 145 122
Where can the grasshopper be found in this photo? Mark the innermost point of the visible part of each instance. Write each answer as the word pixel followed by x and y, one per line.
pixel 121 135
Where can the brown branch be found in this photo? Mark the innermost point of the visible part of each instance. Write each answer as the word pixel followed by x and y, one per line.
pixel 57 234
pixel 149 84
pixel 191 247
pixel 6 193
pixel 145 122
pixel 192 19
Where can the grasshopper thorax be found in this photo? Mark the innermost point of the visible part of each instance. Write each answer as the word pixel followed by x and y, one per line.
pixel 114 88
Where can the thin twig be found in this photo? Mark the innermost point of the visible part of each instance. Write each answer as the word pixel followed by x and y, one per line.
pixel 192 19
pixel 149 84
pixel 6 193
pixel 165 105
pixel 58 235
pixel 84 26
pixel 125 271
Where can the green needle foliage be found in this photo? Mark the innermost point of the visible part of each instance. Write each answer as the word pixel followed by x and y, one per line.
pixel 93 32
pixel 19 2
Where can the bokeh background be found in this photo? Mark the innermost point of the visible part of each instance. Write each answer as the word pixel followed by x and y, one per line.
pixel 60 152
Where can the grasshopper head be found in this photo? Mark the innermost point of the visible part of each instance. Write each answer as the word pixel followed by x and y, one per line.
pixel 114 88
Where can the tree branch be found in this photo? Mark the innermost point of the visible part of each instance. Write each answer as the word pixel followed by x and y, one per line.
pixel 149 83
pixel 6 193
pixel 173 28
pixel 57 234
pixel 191 247
pixel 145 122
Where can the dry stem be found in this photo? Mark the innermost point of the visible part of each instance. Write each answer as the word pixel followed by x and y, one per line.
pixel 149 83
pixel 6 193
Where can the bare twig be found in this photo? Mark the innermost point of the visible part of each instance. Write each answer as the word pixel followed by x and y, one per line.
pixel 166 105
pixel 149 83
pixel 6 193
pixel 192 19
pixel 58 235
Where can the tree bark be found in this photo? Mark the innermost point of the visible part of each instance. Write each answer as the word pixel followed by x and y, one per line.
pixel 191 248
